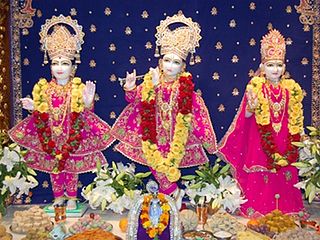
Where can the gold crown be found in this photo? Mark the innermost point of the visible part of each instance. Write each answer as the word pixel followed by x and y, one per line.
pixel 273 46
pixel 60 42
pixel 180 41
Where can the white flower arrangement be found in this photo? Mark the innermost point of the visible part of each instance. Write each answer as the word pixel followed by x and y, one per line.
pixel 309 164
pixel 15 177
pixel 114 188
pixel 213 185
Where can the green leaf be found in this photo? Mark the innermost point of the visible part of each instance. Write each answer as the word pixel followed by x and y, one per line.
pixel 103 204
pixel 12 146
pixel 301 164
pixel 114 166
pixel 87 189
pixel 31 171
pixel 298 144
pixel 215 168
pixel 98 166
pixel 120 176
pixel 188 177
pixel 312 129
pixel 312 192
pixel 196 185
pixel 225 169
pixel 200 174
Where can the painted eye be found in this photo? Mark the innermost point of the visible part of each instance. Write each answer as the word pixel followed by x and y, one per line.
pixel 166 60
pixel 177 62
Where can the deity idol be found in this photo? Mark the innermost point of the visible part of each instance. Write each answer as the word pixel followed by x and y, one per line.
pixel 166 125
pixel 258 143
pixel 64 137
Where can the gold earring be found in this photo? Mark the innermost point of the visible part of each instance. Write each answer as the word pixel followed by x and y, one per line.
pixel 160 65
pixel 73 71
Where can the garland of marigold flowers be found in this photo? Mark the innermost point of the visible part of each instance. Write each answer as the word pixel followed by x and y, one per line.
pixel 155 231
pixel 41 118
pixel 295 124
pixel 167 165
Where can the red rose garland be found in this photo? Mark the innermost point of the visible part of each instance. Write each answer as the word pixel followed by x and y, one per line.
pixel 270 148
pixel 148 109
pixel 49 145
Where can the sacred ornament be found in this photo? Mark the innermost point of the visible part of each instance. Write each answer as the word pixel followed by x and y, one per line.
pixel 181 40
pixel 60 42
pixel 273 46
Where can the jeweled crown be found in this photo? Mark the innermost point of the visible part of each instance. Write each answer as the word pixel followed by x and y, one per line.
pixel 273 46
pixel 180 41
pixel 61 42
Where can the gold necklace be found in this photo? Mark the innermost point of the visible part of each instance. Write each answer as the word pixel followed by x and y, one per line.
pixel 166 107
pixel 276 108
pixel 55 112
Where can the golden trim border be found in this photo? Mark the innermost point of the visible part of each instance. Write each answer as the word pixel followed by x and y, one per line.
pixel 15 63
pixel 315 105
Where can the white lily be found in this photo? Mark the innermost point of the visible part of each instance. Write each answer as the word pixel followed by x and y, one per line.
pixel 9 158
pixel 10 183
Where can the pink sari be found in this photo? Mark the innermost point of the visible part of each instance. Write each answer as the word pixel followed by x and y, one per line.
pixel 241 147
pixel 127 130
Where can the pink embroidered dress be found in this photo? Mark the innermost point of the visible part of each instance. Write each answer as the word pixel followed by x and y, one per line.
pixel 242 148
pixel 201 135
pixel 95 137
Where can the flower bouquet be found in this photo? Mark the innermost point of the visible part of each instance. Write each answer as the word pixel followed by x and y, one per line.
pixel 15 176
pixel 214 185
pixel 309 163
pixel 114 188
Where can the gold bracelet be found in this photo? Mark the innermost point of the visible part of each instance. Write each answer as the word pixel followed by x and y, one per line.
pixel 127 89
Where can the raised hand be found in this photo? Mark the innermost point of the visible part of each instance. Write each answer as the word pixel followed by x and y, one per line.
pixel 155 75
pixel 252 99
pixel 27 103
pixel 88 93
pixel 130 80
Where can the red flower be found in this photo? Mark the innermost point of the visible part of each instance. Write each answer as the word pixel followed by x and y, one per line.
pixel 51 143
pixel 44 116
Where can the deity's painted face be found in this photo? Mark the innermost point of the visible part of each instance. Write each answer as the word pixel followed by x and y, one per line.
pixel 61 68
pixel 171 64
pixel 274 69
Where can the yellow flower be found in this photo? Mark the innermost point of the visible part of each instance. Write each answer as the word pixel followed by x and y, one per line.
pixel 173 174
pixel 147 224
pixel 288 83
pixel 81 87
pixel 59 156
pixel 265 121
pixel 42 82
pixel 162 168
pixel 76 80
pixel 295 114
pixel 282 163
pixel 175 149
pixel 43 107
pixel 36 89
pixel 157 155
pixel 74 105
pixel 299 98
pixel 152 233
pixel 36 97
pixel 294 129
pixel 277 156
pixel 265 107
pixel 75 93
pixel 165 207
